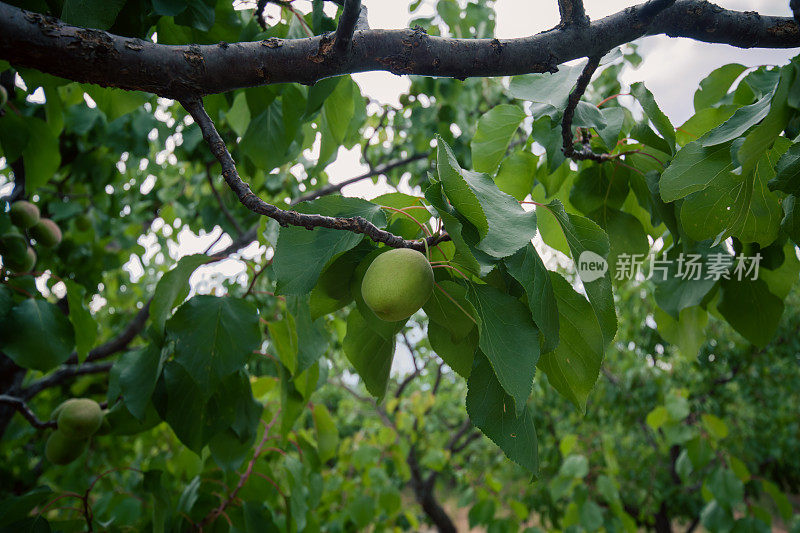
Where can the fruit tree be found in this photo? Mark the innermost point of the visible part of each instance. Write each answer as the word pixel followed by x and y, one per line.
pixel 147 382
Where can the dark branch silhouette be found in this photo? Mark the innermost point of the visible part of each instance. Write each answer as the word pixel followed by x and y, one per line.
pixel 572 12
pixel 347 25
pixel 569 113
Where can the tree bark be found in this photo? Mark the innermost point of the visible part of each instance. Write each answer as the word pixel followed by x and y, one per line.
pixel 33 40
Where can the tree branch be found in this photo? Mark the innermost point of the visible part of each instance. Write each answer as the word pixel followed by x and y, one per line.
pixel 795 7
pixel 23 409
pixel 572 12
pixel 61 375
pixel 569 113
pixel 290 218
pixel 33 40
pixel 333 188
pixel 347 25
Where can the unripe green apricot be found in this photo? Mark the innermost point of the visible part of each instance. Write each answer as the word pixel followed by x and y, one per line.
pixel 79 418
pixel 24 214
pixel 397 284
pixel 23 264
pixel 62 450
pixel 46 232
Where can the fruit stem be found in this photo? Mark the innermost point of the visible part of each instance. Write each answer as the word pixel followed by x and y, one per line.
pixel 417 222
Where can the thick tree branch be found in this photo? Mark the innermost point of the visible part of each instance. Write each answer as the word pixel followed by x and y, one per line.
pixel 569 113
pixel 19 405
pixel 290 218
pixel 347 25
pixel 333 188
pixel 572 12
pixel 33 40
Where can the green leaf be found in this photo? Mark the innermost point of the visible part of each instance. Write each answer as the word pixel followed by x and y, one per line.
pixel 547 88
pixel 493 135
pixel 14 508
pixel 508 226
pixel 463 254
pixel 457 190
pixel 458 353
pixel 684 285
pixel 83 322
pixel 614 118
pixel 238 115
pixel 265 142
pixel 283 336
pixel 370 351
pixel 451 310
pixel 780 499
pixel 791 218
pixel 654 113
pixel 687 333
pixel 311 341
pixel 751 309
pixel 41 156
pixel 742 120
pixel 762 136
pixel 115 103
pixel 138 372
pixel 332 291
pixel 214 336
pixel 573 367
pixel 327 434
pixel 599 187
pixel 491 410
pixel 584 236
pixel 198 14
pixel 37 335
pixel 169 8
pixel 516 174
pixel 695 168
pixel 172 289
pixel 99 14
pixel 715 86
pixel 300 254
pixel 787 172
pixel 726 487
pixel 509 339
pixel 528 269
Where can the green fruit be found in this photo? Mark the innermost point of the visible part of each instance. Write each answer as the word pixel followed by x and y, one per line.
pixel 24 214
pixel 13 249
pixel 79 418
pixel 397 284
pixel 23 264
pixel 62 450
pixel 46 232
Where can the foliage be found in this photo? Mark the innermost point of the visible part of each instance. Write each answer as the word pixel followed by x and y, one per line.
pixel 235 408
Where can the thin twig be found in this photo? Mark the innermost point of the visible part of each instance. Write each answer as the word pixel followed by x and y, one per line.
pixel 23 409
pixel 289 218
pixel 61 375
pixel 569 113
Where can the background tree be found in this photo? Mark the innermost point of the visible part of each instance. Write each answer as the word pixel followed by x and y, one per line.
pixel 212 416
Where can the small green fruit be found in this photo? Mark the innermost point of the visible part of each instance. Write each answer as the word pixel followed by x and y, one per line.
pixel 79 418
pixel 62 450
pixel 23 264
pixel 46 232
pixel 397 284
pixel 24 214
